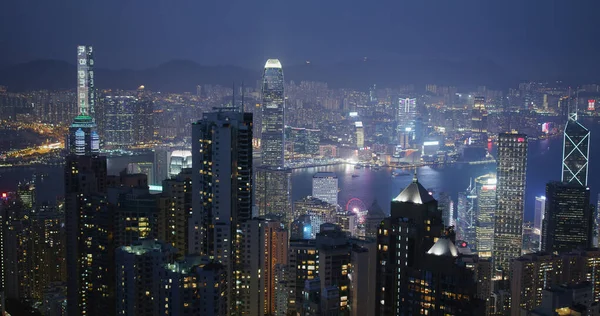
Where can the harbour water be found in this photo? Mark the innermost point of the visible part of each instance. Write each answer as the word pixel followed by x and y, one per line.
pixel 544 164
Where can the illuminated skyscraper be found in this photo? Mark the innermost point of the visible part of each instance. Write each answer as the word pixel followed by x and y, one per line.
pixel 119 116
pixel 538 217
pixel 273 108
pixel 83 138
pixel 466 216
pixel 325 187
pixel 568 220
pixel 273 180
pixel 360 134
pixel 510 198
pixel 485 207
pixel 222 186
pixel 407 111
pixel 576 151
pixel 479 122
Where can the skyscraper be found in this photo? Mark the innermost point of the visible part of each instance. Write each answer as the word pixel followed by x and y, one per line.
pixel 538 217
pixel 485 207
pixel 446 207
pixel 273 180
pixel 83 138
pixel 222 185
pixel 407 111
pixel 119 115
pixel 466 216
pixel 273 108
pixel 325 187
pixel 510 198
pixel 576 151
pixel 568 219
pixel 403 240
pixel 479 122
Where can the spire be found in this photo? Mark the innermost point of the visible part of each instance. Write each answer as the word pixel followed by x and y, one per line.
pixel 415 180
pixel 233 95
pixel 242 106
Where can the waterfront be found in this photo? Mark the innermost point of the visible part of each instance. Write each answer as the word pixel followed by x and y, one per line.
pixel 544 164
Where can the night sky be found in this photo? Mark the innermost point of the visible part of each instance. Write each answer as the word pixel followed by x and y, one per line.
pixel 519 34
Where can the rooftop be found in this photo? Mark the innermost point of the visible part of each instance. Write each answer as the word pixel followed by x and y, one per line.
pixel 273 63
pixel 443 247
pixel 414 193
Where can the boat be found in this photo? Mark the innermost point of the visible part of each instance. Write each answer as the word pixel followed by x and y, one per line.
pixel 358 167
pixel 399 174
pixel 354 176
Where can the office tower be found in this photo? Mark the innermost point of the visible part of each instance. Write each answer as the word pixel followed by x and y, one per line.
pixel 576 152
pixel 479 122
pixel 176 206
pixel 538 218
pixel 273 192
pixel 90 248
pixel 407 112
pixel 325 187
pixel 139 271
pixel 466 219
pixel 318 211
pixel 373 220
pixel 485 207
pixel 510 193
pixel 446 207
pixel 83 138
pixel 362 274
pixel 222 186
pixel 180 159
pixel 303 265
pixel 301 228
pixel 360 135
pixel 568 218
pixel 119 117
pixel 263 251
pixel 273 108
pixel 403 239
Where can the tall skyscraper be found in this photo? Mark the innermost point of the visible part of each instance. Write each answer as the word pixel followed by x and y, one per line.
pixel 403 240
pixel 325 187
pixel 407 111
pixel 479 122
pixel 273 180
pixel 485 207
pixel 576 152
pixel 273 109
pixel 222 185
pixel 466 222
pixel 510 198
pixel 360 134
pixel 446 207
pixel 83 138
pixel 568 219
pixel 538 217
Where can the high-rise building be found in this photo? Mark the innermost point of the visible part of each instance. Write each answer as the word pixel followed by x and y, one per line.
pixel 403 240
pixel 175 206
pixel 318 211
pixel 273 109
pixel 325 187
pixel 90 247
pixel 222 187
pixel 446 207
pixel 535 272
pixel 568 218
pixel 485 207
pixel 510 198
pixel 303 265
pixel 263 250
pixel 360 134
pixel 273 187
pixel 479 122
pixel 83 138
pixel 538 218
pixel 576 151
pixel 180 159
pixel 407 111
pixel 466 220
pixel 569 299
pixel 139 271
pixel 143 118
